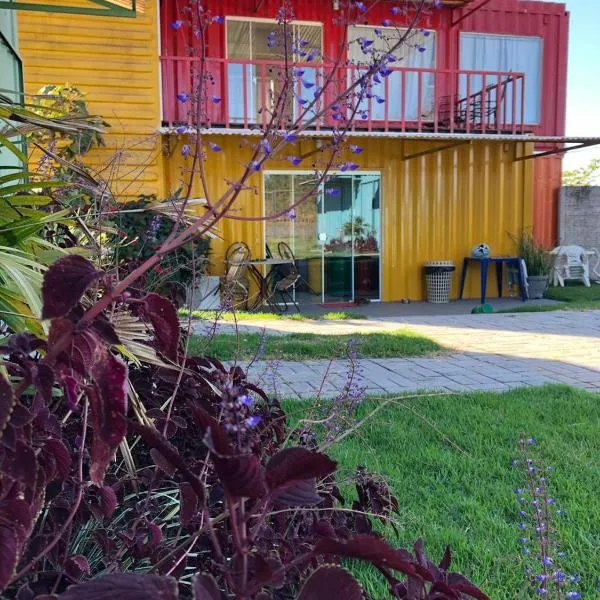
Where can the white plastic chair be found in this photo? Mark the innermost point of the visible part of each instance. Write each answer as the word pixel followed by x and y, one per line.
pixel 573 263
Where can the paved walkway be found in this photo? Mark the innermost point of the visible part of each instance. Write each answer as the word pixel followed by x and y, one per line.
pixel 487 352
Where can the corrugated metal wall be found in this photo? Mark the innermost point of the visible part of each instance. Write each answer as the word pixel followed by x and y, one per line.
pixel 433 207
pixel 547 20
pixel 546 191
pixel 115 61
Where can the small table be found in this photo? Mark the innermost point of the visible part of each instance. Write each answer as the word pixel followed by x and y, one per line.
pixel 263 281
pixel 499 261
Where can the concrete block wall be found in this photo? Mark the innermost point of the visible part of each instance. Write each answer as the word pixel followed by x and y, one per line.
pixel 579 216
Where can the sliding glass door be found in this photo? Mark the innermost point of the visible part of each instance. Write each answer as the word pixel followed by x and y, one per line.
pixel 334 235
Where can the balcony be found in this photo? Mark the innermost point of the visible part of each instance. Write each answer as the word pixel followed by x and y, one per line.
pixel 406 100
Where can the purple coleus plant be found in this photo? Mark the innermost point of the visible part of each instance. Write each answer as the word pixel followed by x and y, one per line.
pixel 264 515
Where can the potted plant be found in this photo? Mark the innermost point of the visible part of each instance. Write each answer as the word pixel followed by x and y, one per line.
pixel 538 263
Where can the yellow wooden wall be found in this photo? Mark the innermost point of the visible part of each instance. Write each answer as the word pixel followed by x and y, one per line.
pixel 115 61
pixel 435 207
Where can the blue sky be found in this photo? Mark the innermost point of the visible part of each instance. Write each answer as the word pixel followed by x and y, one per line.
pixel 583 84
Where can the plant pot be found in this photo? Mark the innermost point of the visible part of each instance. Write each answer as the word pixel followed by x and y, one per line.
pixel 537 286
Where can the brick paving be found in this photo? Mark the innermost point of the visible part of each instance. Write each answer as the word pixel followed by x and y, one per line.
pixel 486 353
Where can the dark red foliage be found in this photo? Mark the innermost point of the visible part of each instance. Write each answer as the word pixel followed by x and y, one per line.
pixel 328 582
pixel 210 494
pixel 125 585
pixel 292 476
pixel 64 284
pixel 204 587
pixel 163 316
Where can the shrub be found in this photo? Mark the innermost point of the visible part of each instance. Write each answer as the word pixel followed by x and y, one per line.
pixel 212 500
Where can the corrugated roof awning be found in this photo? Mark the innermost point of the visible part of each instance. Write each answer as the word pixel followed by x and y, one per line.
pixel 452 139
pixel 101 8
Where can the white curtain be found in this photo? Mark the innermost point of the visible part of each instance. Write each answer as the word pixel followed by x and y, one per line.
pixel 248 40
pixel 520 54
pixel 417 52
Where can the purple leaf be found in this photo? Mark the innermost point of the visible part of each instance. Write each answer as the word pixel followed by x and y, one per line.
pixel 355 149
pixel 163 316
pixel 218 19
pixel 162 463
pixel 108 501
pixel 204 587
pixel 360 6
pixel 292 474
pixel 328 582
pixel 9 554
pixel 61 456
pixel 290 137
pixel 446 559
pixel 214 147
pixel 64 284
pixel 181 129
pixel 175 25
pixel 215 99
pixel 128 586
pixel 110 375
pixel 368 548
pixel 183 97
pixel 7 403
pixel 186 149
pixel 241 475
pixel 108 406
pixel 188 503
pixel 295 160
pixel 76 566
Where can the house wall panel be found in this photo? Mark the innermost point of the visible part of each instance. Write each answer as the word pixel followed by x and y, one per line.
pixel 435 207
pixel 114 61
pixel 547 184
pixel 548 20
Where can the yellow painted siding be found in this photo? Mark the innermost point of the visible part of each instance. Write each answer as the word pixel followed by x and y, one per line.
pixel 115 62
pixel 434 207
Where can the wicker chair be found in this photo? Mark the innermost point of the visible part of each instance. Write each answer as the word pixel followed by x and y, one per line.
pixel 283 278
pixel 235 286
pixel 573 262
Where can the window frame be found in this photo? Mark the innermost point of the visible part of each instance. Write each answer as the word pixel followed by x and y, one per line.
pixel 250 20
pixel 401 29
pixel 541 40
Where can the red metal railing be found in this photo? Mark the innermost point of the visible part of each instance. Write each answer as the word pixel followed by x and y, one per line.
pixel 242 94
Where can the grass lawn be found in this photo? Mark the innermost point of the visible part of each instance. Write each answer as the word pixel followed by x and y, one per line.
pixel 574 296
pixel 466 498
pixel 210 315
pixel 301 346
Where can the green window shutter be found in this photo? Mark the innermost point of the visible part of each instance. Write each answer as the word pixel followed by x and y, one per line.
pixel 11 76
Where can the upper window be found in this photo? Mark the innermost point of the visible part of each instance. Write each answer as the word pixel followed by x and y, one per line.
pixel 404 92
pixel 254 40
pixel 256 85
pixel 506 53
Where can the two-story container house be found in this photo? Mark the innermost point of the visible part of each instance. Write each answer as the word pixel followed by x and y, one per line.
pixel 465 147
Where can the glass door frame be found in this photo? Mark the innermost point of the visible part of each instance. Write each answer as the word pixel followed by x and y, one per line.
pixel 320 194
